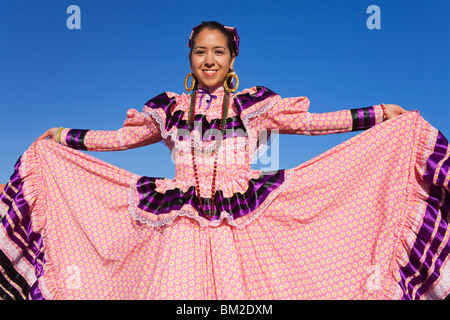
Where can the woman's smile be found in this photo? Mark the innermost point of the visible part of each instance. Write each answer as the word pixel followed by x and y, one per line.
pixel 209 72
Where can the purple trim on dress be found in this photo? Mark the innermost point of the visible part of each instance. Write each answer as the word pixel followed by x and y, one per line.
pixel 75 139
pixel 35 292
pixel 363 118
pixel 246 100
pixel 238 205
pixel 435 208
pixel 431 253
pixel 372 116
pixel 443 172
pixel 438 154
pixel 234 126
pixel 21 231
pixel 161 101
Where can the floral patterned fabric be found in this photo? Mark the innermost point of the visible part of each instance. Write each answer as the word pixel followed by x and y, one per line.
pixel 365 220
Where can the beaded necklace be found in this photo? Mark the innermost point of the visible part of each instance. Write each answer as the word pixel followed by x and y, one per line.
pixel 215 151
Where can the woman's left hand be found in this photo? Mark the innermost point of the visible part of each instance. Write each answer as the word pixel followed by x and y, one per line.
pixel 393 110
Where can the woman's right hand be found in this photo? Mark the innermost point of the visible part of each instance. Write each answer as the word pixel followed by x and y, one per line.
pixel 50 133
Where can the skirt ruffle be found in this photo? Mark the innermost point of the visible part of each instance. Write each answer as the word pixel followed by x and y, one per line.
pixel 364 220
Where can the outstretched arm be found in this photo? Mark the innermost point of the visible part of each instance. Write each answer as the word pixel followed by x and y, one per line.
pixel 138 130
pixel 291 116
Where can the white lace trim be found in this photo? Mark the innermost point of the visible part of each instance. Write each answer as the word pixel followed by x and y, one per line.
pixel 121 139
pixel 23 172
pixel 3 210
pixel 257 112
pixel 153 113
pixel 192 214
pixel 171 135
pixel 261 148
pixel 199 145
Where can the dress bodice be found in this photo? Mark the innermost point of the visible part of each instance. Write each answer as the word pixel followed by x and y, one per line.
pixel 233 148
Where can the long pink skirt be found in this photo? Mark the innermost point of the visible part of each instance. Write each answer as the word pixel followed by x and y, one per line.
pixel 367 219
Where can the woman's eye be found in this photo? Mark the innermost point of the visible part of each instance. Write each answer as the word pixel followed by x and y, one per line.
pixel 200 52
pixel 219 52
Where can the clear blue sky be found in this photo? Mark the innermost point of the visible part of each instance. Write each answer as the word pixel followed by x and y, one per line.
pixel 126 52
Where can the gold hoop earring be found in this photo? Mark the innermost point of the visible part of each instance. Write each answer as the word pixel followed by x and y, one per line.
pixel 236 79
pixel 192 83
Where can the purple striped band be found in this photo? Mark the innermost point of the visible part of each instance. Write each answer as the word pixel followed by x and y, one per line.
pixel 234 126
pixel 416 271
pixel 20 233
pixel 238 205
pixel 161 101
pixel 241 102
pixel 75 139
pixel 363 118
pixel 246 100
pixel 438 154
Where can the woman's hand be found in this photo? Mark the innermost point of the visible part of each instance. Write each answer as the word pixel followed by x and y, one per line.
pixel 393 110
pixel 51 134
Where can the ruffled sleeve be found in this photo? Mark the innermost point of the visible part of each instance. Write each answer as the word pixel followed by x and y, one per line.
pixel 291 116
pixel 138 130
pixel 167 110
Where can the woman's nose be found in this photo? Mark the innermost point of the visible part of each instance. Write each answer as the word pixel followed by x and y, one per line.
pixel 209 60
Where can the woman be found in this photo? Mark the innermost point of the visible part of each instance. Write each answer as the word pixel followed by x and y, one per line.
pixel 364 220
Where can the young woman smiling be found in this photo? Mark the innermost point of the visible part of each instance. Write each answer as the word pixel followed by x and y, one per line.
pixel 364 220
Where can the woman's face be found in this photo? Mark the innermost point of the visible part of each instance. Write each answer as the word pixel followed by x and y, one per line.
pixel 211 60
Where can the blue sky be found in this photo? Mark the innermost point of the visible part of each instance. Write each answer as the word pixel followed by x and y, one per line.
pixel 127 52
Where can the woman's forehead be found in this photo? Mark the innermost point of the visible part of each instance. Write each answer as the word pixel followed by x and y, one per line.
pixel 210 37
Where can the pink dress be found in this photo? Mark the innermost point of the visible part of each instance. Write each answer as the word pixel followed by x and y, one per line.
pixel 365 220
